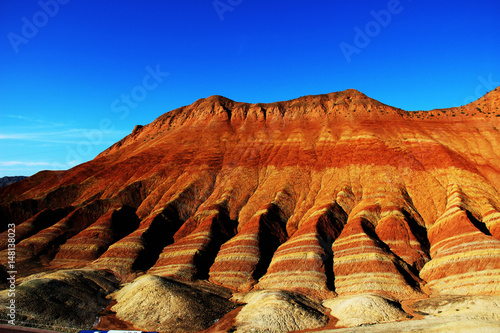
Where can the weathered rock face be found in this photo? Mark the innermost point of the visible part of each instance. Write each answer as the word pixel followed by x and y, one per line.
pixel 442 314
pixel 465 260
pixel 278 311
pixel 67 300
pixel 169 306
pixel 364 309
pixel 323 195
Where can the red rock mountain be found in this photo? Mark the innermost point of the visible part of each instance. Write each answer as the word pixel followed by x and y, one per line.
pixel 324 195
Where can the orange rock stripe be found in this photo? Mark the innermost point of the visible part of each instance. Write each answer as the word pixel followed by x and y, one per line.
pixel 462 256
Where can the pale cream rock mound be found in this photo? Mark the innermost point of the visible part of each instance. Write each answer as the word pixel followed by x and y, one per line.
pixel 364 309
pixel 434 325
pixel 470 307
pixel 464 314
pixel 278 312
pixel 164 305
pixel 66 300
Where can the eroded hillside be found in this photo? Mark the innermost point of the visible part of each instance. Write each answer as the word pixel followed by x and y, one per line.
pixel 317 197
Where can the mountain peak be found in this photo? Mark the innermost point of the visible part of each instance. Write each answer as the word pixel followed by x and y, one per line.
pixel 348 105
pixel 217 98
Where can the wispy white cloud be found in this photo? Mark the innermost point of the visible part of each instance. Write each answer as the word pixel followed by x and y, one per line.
pixel 71 136
pixel 35 120
pixel 27 150
pixel 37 164
pixel 18 168
pixel 10 136
pixel 13 163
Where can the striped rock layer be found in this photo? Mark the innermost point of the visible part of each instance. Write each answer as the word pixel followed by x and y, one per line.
pixel 323 195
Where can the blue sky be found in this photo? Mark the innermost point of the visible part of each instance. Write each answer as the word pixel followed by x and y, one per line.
pixel 77 76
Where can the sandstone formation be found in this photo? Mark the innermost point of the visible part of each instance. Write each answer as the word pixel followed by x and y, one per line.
pixel 319 197
pixel 66 300
pixel 168 306
pixel 442 314
pixel 364 309
pixel 278 311
pixel 470 307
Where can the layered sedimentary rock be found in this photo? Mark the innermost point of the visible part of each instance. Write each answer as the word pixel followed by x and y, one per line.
pixel 199 241
pixel 90 244
pixel 321 196
pixel 46 243
pixel 466 257
pixel 242 260
pixel 139 249
pixel 304 262
pixel 40 221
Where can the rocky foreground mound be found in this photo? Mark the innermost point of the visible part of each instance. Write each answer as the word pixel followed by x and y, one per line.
pixel 316 213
